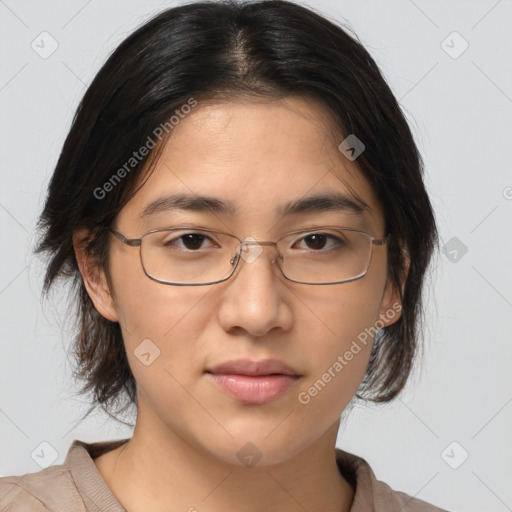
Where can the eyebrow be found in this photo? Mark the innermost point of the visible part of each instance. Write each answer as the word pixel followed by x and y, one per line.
pixel 330 201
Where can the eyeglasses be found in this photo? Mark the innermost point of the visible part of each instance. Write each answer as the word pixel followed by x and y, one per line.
pixel 185 256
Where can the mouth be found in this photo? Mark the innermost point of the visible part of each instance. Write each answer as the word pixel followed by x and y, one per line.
pixel 253 382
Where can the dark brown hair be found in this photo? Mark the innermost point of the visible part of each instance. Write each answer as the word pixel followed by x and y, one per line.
pixel 269 48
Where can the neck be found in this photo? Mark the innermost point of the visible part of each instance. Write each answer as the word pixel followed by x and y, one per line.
pixel 158 470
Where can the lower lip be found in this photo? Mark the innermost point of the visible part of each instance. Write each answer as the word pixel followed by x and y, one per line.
pixel 258 389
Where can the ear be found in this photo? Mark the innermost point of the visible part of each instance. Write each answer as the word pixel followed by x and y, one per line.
pixel 94 278
pixel 391 306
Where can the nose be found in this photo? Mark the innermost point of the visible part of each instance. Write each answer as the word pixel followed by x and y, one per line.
pixel 256 297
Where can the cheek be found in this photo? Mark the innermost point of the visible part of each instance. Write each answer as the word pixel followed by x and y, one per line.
pixel 171 319
pixel 161 327
pixel 342 314
pixel 347 349
pixel 342 327
pixel 146 308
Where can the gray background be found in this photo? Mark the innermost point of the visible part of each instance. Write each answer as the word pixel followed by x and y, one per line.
pixel 459 106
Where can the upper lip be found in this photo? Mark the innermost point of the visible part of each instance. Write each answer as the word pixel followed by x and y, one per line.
pixel 248 367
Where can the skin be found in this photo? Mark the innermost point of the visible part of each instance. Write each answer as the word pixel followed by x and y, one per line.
pixel 183 452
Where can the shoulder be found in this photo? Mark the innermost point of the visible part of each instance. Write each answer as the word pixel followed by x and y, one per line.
pixel 373 494
pixel 73 486
pixel 406 502
pixel 47 490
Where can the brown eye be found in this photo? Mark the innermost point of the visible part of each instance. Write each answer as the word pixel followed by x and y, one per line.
pixel 316 241
pixel 189 241
pixel 319 241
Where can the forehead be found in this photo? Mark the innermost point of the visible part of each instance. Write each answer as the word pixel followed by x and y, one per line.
pixel 256 161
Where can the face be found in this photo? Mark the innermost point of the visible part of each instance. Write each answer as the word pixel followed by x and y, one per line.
pixel 258 156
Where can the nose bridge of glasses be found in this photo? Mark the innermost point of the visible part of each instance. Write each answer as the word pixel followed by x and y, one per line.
pixel 254 248
pixel 257 242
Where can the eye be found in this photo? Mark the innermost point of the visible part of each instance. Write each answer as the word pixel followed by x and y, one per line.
pixel 318 241
pixel 189 241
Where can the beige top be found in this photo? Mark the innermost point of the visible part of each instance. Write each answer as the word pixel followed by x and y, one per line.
pixel 77 486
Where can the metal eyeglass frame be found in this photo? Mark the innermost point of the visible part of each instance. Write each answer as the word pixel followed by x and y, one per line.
pixel 137 242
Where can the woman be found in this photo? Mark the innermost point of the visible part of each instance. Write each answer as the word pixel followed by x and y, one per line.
pixel 240 204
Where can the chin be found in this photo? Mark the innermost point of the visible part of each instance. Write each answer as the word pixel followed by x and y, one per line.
pixel 257 445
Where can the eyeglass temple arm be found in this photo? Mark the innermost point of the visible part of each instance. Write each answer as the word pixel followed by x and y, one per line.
pixel 134 242
pixel 383 241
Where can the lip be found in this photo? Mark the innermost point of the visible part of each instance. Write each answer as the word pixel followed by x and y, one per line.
pixel 254 368
pixel 254 382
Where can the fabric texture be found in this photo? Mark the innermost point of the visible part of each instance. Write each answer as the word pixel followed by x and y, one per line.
pixel 77 486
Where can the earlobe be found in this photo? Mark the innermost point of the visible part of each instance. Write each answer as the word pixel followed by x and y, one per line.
pixel 391 306
pixel 94 278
